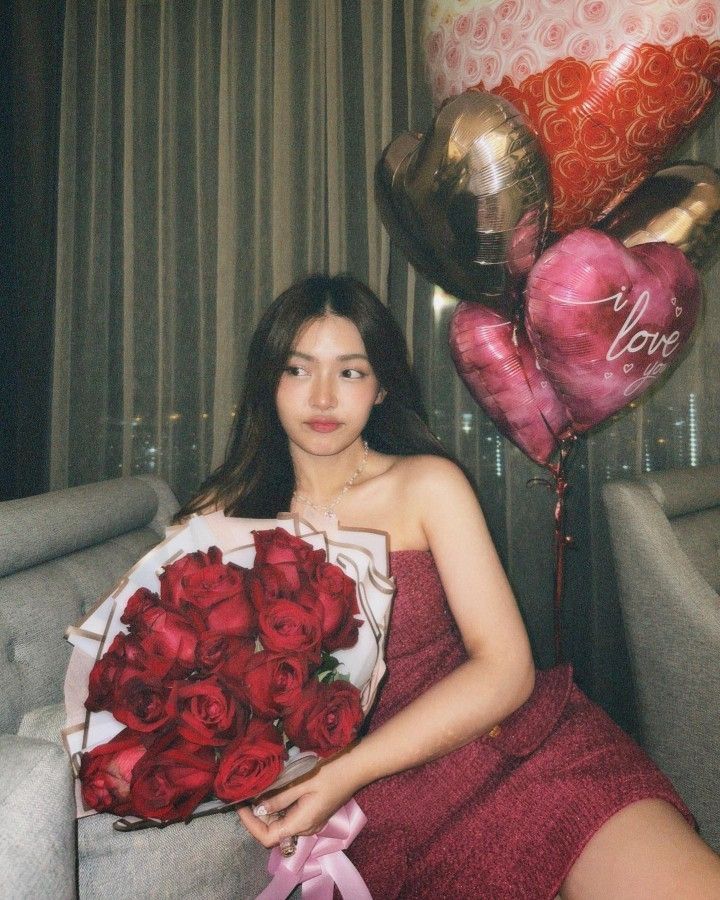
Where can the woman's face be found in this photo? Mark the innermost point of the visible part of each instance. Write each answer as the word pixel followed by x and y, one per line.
pixel 328 388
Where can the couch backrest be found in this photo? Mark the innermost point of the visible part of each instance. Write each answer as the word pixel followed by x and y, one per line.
pixel 664 538
pixel 691 501
pixel 60 552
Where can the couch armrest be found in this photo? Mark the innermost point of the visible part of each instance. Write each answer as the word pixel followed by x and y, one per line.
pixel 671 616
pixel 37 820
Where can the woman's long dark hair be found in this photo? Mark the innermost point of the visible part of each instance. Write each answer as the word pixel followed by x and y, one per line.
pixel 256 480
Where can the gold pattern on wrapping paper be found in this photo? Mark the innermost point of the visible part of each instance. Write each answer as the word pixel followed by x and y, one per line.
pixel 82 632
pixel 121 585
pixel 105 632
pixel 345 562
pixel 387 585
pixel 73 729
pixel 98 655
pixel 169 561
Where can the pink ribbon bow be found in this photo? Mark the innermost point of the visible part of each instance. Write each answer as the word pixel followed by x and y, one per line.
pixel 319 862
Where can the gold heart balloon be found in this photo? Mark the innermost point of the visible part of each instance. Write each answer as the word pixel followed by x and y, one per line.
pixel 679 205
pixel 469 202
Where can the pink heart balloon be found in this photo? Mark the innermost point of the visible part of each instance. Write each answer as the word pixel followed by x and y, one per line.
pixel 499 368
pixel 606 321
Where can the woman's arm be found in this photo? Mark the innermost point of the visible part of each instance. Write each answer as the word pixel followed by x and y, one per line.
pixel 495 680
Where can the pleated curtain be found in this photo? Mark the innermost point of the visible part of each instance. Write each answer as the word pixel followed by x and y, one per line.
pixel 213 151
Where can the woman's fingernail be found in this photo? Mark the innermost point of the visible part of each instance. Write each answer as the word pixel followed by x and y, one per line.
pixel 260 810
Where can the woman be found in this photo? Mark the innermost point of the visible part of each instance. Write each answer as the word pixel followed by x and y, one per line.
pixel 479 776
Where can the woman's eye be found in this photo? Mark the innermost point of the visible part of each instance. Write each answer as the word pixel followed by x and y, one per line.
pixel 295 370
pixel 353 373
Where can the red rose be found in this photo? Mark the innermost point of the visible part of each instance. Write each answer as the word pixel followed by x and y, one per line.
pixel 171 780
pixel 338 605
pixel 123 657
pixel 173 593
pixel 274 681
pixel 214 583
pixel 207 714
pixel 287 626
pixel 104 675
pixel 326 718
pixel 106 771
pixel 267 583
pixel 142 703
pixel 294 556
pixel 251 763
pixel 232 670
pixel 233 615
pixel 140 602
pixel 217 651
pixel 167 634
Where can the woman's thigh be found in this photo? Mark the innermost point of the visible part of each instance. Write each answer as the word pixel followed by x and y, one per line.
pixel 647 851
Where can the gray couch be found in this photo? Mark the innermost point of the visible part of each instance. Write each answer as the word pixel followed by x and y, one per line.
pixel 59 552
pixel 665 537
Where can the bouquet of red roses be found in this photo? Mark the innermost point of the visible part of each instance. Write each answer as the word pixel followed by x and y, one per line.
pixel 217 675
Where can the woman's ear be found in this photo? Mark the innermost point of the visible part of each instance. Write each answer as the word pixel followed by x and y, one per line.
pixel 381 395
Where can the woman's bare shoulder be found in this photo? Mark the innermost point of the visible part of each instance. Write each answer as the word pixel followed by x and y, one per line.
pixel 429 471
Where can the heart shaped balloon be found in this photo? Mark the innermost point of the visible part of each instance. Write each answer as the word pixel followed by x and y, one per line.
pixel 609 86
pixel 498 366
pixel 679 205
pixel 469 201
pixel 607 321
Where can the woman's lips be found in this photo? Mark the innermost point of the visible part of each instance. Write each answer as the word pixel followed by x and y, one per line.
pixel 323 425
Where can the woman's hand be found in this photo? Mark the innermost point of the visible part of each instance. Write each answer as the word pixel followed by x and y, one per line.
pixel 307 805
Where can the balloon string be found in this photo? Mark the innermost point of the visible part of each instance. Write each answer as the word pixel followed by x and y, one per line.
pixel 559 485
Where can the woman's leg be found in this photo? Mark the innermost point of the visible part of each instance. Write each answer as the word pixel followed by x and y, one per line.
pixel 647 851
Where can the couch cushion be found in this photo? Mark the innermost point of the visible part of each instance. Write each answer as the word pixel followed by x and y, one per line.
pixel 681 491
pixel 699 536
pixel 211 857
pixel 38 604
pixel 45 722
pixel 37 830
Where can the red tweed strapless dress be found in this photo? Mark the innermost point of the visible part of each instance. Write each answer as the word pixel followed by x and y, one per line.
pixel 504 817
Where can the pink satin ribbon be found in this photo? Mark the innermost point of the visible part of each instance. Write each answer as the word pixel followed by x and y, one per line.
pixel 319 862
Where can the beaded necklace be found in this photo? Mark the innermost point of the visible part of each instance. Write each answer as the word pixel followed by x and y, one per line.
pixel 328 510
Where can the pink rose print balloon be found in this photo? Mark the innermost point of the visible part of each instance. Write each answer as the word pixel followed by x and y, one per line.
pixel 607 321
pixel 499 368
pixel 609 86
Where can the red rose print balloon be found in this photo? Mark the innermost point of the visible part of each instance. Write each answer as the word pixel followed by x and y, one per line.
pixel 498 366
pixel 607 321
pixel 609 86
